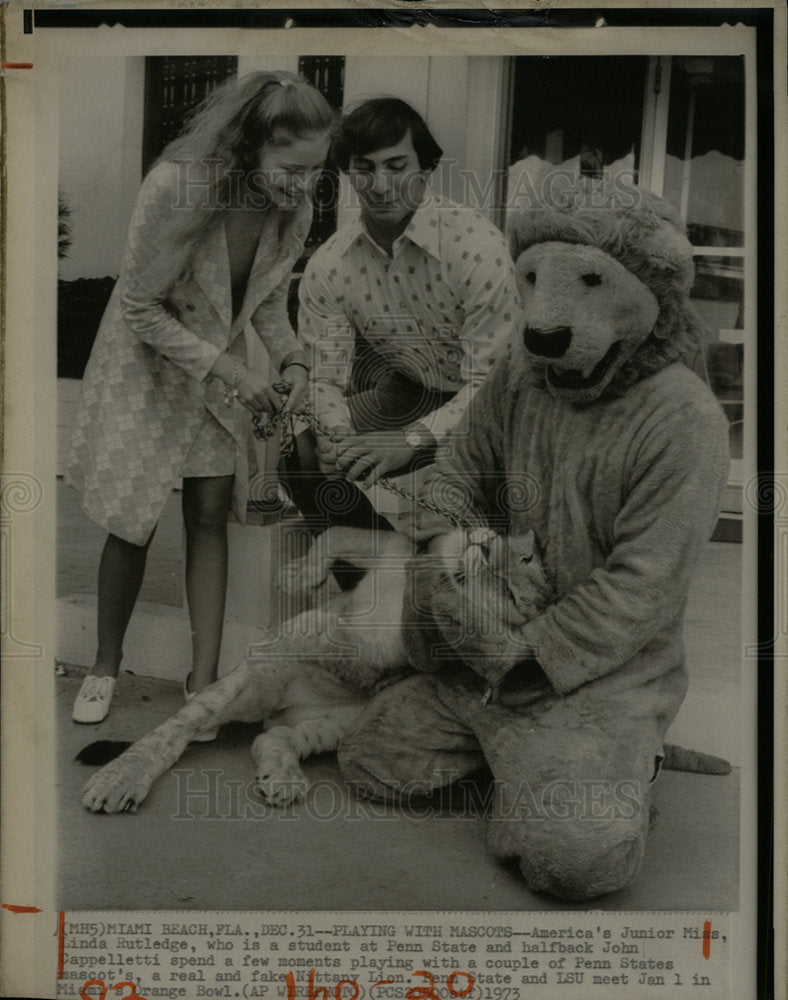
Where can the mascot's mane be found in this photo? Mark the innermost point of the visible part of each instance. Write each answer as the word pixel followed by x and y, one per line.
pixel 648 238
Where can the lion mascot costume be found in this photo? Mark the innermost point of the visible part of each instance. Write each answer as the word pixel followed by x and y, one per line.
pixel 593 432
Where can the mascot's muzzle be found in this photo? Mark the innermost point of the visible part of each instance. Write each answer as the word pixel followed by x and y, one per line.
pixel 548 344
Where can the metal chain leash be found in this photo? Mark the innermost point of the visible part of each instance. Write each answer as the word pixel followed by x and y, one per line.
pixel 265 425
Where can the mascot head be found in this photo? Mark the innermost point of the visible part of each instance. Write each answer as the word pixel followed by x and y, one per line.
pixel 605 294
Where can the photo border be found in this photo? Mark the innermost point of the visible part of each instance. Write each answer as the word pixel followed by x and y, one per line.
pixel 770 408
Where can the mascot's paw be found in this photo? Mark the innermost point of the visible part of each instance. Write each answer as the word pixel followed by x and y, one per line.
pixel 279 778
pixel 118 787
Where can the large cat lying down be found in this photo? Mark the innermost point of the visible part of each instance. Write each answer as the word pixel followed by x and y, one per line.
pixel 314 675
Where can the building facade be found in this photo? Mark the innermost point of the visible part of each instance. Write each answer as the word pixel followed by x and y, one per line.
pixel 510 127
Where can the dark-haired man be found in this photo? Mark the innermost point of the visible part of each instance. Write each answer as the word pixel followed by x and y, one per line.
pixel 402 310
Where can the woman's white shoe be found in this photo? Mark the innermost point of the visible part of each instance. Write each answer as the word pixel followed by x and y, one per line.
pixel 94 699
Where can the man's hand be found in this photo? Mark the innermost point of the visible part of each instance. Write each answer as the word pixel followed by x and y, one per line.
pixel 364 458
pixel 297 377
pixel 327 450
pixel 481 625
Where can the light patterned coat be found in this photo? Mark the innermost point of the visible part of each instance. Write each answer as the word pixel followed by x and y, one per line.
pixel 147 387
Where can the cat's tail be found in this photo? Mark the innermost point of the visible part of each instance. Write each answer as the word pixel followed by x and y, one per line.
pixel 101 752
pixel 679 759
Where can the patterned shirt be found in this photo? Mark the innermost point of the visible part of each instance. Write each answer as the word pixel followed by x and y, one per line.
pixel 437 310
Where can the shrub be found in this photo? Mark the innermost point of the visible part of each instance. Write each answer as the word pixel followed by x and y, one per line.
pixel 80 306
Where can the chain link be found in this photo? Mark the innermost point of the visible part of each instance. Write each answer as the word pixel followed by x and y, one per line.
pixel 265 425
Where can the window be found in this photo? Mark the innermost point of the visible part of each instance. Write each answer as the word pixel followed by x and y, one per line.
pixel 699 163
pixel 174 86
pixel 573 117
pixel 327 73
pixel 704 179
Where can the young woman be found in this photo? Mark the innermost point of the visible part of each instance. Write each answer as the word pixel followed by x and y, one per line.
pixel 167 394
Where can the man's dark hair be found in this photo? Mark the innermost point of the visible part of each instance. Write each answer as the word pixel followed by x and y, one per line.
pixel 380 123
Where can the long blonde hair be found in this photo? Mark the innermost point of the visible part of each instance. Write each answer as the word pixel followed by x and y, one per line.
pixel 219 147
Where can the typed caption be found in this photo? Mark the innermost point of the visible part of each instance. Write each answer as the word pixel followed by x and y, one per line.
pixel 318 956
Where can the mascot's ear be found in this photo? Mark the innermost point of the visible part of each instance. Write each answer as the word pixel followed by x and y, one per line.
pixel 668 250
pixel 653 244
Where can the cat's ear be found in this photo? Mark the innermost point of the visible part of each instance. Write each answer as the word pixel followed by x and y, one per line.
pixel 528 546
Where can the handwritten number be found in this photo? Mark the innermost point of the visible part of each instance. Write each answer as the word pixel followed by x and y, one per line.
pixel 454 985
pixel 84 995
pixel 460 993
pixel 134 995
pixel 423 992
pixel 341 983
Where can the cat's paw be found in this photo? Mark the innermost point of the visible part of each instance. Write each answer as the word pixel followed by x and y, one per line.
pixel 282 786
pixel 278 776
pixel 118 787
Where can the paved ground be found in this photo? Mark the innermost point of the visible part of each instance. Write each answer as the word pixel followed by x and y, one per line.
pixel 204 841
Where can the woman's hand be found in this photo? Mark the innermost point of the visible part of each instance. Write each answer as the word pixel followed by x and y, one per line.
pixel 256 394
pixel 297 377
pixel 247 386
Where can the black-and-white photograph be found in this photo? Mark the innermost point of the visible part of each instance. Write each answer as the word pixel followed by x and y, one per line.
pixel 505 638
pixel 405 491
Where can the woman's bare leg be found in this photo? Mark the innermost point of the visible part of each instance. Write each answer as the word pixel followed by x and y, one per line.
pixel 121 570
pixel 206 501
